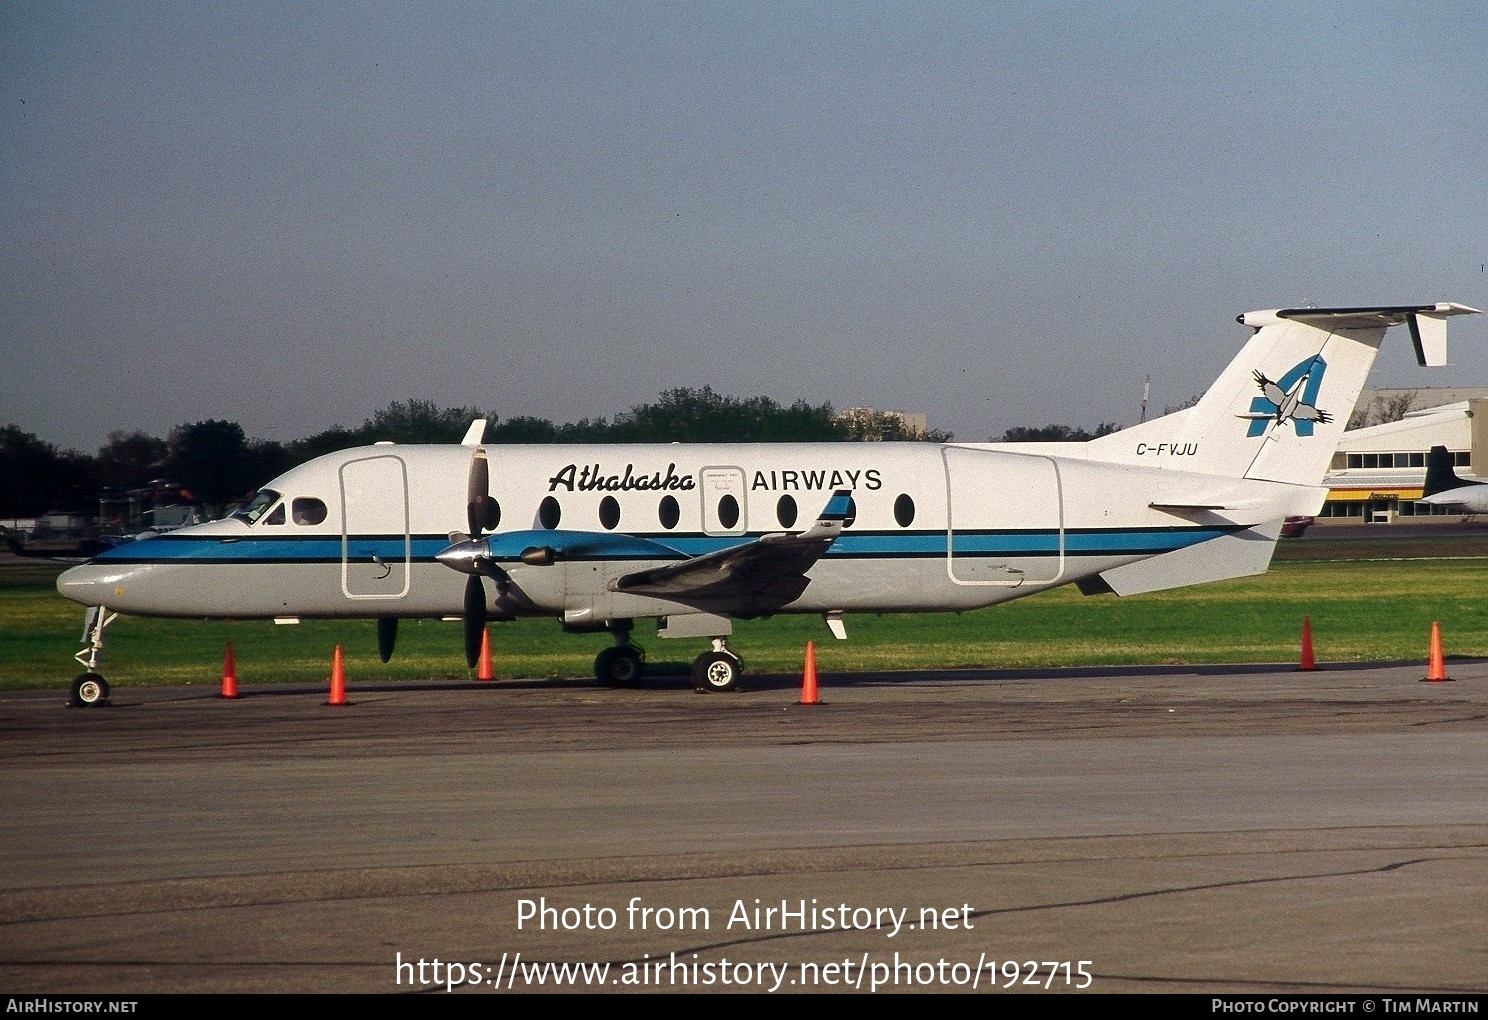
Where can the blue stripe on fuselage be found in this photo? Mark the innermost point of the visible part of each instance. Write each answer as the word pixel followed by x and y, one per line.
pixel 586 545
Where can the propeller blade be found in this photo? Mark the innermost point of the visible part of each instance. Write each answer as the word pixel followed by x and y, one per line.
pixel 475 618
pixel 478 492
pixel 467 552
pixel 387 636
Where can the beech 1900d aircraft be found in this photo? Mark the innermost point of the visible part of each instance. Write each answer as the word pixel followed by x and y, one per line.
pixel 697 535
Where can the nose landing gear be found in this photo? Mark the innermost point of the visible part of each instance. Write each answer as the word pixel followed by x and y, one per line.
pixel 88 689
pixel 91 689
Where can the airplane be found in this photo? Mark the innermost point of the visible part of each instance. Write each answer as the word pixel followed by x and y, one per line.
pixel 1444 488
pixel 697 535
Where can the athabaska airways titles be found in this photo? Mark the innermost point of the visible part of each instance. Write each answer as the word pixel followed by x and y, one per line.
pixel 594 478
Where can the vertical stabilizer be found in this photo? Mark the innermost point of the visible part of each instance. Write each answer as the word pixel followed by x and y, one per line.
pixel 1440 474
pixel 1278 411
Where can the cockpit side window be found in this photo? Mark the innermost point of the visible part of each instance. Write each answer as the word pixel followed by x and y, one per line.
pixel 309 510
pixel 251 511
pixel 276 515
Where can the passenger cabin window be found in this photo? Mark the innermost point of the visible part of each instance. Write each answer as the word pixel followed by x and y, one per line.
pixel 609 513
pixel 852 513
pixel 904 510
pixel 668 513
pixel 309 510
pixel 728 512
pixel 490 513
pixel 549 513
pixel 785 511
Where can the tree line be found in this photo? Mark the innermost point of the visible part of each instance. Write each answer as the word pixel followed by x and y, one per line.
pixel 214 464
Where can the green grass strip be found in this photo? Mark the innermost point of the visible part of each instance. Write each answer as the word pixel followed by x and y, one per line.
pixel 1361 610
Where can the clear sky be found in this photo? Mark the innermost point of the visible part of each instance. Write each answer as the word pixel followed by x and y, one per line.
pixel 290 215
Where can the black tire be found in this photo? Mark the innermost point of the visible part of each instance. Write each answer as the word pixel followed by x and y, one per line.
pixel 716 671
pixel 88 690
pixel 619 666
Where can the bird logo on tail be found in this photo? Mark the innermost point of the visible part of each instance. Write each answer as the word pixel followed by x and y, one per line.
pixel 1292 398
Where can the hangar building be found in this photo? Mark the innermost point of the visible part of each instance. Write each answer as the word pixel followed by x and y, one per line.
pixel 1378 472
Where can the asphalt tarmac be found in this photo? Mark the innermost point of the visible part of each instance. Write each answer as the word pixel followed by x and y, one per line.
pixel 1210 829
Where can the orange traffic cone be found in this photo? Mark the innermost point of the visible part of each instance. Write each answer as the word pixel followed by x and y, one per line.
pixel 808 677
pixel 483 668
pixel 229 674
pixel 1436 667
pixel 338 680
pixel 1307 664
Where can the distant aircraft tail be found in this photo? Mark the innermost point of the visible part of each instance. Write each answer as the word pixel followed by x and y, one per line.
pixel 1440 477
pixel 1278 411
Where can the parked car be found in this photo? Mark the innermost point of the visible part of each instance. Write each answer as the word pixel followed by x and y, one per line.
pixel 1293 527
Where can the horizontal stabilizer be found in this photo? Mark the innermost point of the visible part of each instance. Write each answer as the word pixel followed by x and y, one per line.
pixel 1428 323
pixel 1239 554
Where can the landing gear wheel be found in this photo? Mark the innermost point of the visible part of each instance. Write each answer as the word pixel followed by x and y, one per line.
pixel 89 689
pixel 619 666
pixel 716 671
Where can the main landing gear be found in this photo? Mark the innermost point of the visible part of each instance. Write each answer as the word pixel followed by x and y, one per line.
pixel 718 670
pixel 90 689
pixel 623 664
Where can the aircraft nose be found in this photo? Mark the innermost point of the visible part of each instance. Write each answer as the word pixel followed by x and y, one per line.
pixel 91 584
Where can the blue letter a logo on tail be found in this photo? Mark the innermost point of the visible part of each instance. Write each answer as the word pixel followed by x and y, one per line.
pixel 1292 398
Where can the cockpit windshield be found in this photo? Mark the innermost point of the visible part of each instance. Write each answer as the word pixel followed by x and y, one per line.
pixel 256 507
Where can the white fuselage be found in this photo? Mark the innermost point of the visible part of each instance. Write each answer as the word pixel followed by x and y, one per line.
pixel 934 528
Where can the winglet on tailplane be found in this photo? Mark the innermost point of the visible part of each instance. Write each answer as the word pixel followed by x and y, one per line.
pixel 1277 412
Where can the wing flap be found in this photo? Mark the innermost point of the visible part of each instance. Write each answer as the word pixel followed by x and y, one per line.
pixel 773 567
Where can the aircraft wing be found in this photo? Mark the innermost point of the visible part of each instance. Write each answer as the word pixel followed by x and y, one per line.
pixel 769 571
